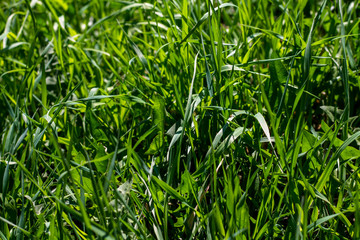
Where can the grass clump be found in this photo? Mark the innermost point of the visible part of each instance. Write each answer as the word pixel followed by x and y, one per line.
pixel 179 119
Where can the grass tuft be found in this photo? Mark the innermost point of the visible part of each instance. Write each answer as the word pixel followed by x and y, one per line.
pixel 178 119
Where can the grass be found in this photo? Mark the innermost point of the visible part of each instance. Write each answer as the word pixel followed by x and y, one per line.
pixel 179 119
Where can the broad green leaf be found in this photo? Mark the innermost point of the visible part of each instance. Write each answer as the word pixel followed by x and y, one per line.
pixel 308 141
pixel 349 152
pixel 155 145
pixel 94 126
pixel 82 181
pixel 278 72
pixel 101 166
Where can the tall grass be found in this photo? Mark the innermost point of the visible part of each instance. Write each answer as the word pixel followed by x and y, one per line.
pixel 179 119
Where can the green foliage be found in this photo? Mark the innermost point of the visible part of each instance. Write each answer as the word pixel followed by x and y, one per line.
pixel 179 119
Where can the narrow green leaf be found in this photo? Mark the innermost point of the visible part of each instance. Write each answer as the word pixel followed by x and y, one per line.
pixel 171 191
pixel 320 221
